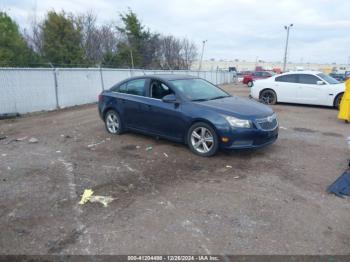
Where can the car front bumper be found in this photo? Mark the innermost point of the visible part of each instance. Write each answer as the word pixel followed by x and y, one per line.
pixel 249 139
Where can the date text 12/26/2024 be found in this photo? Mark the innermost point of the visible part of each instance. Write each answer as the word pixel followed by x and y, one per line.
pixel 174 258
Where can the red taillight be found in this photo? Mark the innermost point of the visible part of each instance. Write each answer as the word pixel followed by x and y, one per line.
pixel 100 98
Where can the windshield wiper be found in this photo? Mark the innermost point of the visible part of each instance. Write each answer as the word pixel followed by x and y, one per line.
pixel 218 97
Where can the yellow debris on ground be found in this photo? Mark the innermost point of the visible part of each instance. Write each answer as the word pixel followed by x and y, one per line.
pixel 86 196
pixel 89 197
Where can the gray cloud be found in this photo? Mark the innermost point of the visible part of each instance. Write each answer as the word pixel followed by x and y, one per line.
pixel 243 29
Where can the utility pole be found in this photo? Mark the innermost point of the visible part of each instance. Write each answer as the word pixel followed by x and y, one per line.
pixel 286 49
pixel 132 58
pixel 200 62
pixel 55 84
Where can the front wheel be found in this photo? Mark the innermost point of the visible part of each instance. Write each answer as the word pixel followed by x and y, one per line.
pixel 202 139
pixel 268 97
pixel 338 100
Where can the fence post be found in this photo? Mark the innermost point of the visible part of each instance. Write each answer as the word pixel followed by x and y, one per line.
pixel 56 86
pixel 102 82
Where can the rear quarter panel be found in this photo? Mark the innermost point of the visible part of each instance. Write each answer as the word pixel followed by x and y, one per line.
pixel 110 101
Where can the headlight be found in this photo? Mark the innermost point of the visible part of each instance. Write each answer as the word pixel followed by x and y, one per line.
pixel 236 122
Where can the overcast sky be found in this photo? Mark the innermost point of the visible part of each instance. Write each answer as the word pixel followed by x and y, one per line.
pixel 243 29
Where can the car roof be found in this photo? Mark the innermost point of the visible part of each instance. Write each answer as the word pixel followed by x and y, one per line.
pixel 302 72
pixel 165 77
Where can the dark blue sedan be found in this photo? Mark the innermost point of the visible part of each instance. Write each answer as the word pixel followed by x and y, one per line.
pixel 189 110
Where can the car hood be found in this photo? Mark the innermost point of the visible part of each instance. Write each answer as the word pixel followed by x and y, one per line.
pixel 238 107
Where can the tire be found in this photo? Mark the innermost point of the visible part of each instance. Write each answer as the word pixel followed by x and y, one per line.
pixel 337 100
pixel 113 123
pixel 250 84
pixel 268 97
pixel 202 139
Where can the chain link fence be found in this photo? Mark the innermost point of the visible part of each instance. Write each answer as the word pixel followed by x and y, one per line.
pixel 25 90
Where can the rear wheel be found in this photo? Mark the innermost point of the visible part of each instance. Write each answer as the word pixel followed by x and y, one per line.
pixel 337 101
pixel 113 122
pixel 202 139
pixel 250 83
pixel 268 97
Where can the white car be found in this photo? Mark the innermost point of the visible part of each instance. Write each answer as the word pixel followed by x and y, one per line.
pixel 300 87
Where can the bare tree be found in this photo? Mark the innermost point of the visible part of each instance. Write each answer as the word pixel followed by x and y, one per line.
pixel 33 35
pixel 97 40
pixel 109 38
pixel 170 51
pixel 189 53
pixel 176 53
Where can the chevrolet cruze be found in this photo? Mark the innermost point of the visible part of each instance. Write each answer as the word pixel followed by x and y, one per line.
pixel 187 109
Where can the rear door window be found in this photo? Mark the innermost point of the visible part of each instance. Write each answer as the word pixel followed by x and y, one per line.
pixel 308 79
pixel 292 78
pixel 136 87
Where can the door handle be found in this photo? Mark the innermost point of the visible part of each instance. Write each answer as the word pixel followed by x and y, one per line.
pixel 123 101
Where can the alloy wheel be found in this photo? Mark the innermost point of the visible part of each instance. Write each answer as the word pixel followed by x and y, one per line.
pixel 112 122
pixel 202 140
pixel 268 97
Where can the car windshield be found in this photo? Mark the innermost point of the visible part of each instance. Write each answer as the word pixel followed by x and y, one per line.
pixel 328 79
pixel 198 89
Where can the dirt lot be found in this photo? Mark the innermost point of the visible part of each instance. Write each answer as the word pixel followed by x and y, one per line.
pixel 167 200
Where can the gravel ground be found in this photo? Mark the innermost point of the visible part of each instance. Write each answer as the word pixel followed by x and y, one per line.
pixel 167 200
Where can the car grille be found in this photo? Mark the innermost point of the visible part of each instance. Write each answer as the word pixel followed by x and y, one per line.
pixel 267 123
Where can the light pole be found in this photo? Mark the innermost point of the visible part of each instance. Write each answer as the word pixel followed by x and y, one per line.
pixel 200 63
pixel 286 49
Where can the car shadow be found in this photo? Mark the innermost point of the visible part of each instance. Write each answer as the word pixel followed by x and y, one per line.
pixel 307 106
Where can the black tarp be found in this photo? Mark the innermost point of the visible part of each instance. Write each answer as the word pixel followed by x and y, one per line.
pixel 341 186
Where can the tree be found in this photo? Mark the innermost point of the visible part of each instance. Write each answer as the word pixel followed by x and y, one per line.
pixel 62 40
pixel 189 53
pixel 97 41
pixel 34 36
pixel 137 40
pixel 13 49
pixel 176 53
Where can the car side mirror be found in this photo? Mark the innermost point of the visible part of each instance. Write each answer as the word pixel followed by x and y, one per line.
pixel 169 99
pixel 321 83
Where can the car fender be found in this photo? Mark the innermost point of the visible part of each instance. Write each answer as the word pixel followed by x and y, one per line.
pixel 336 97
pixel 337 90
pixel 257 88
pixel 219 124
